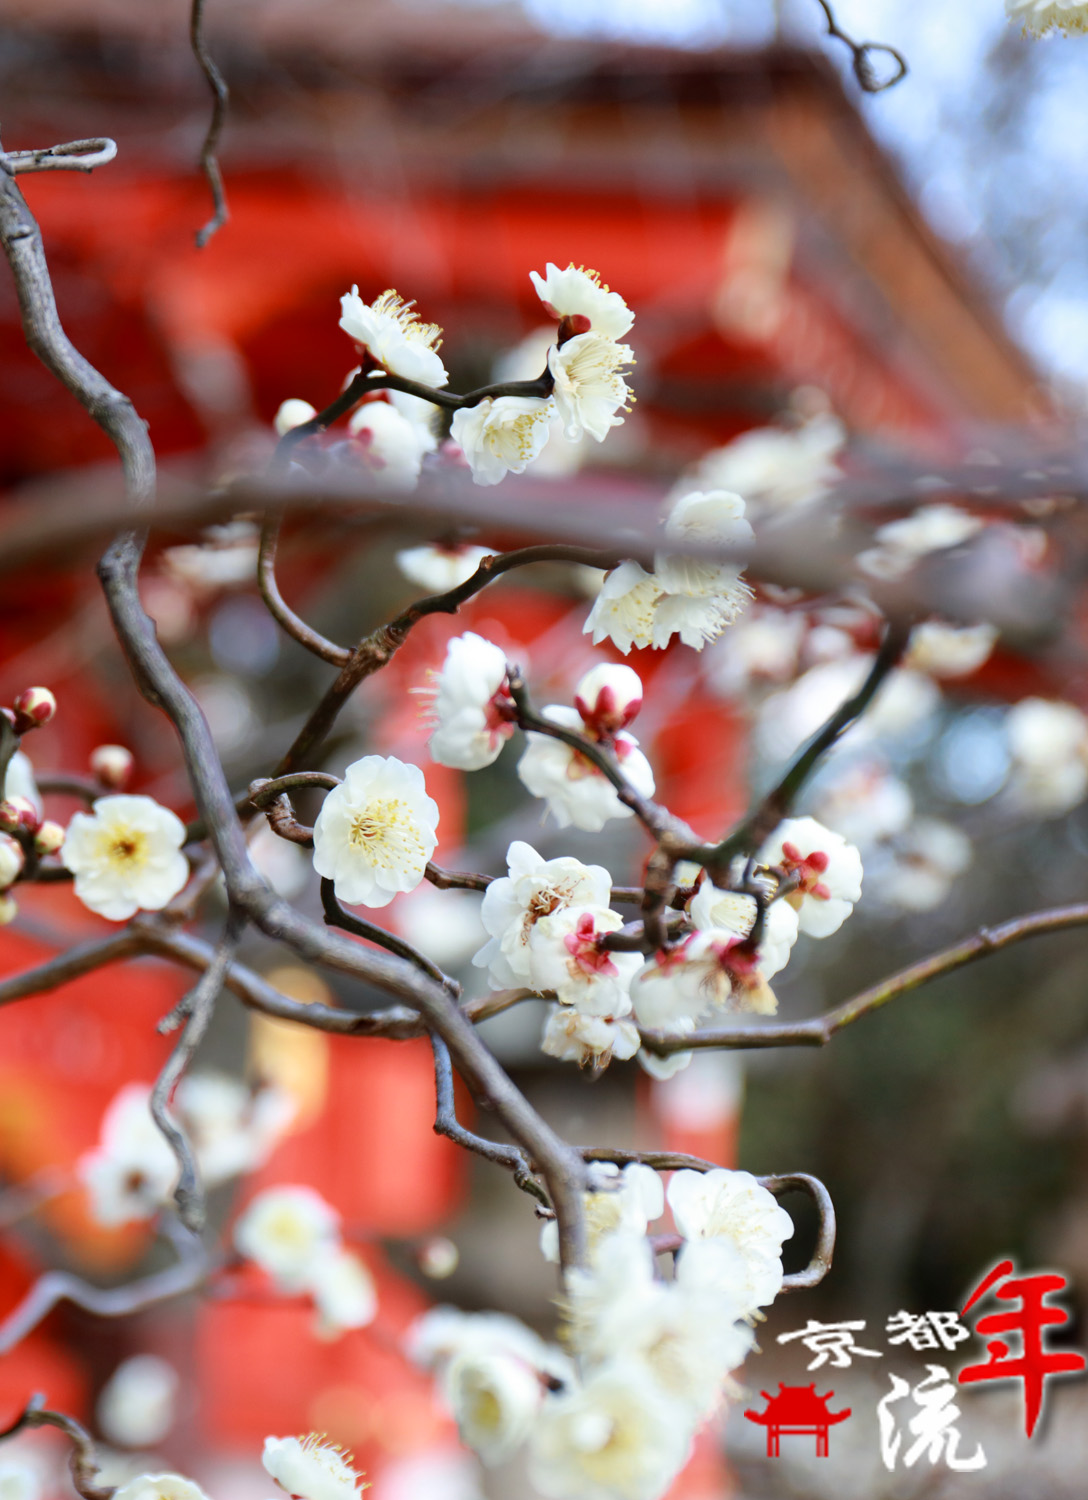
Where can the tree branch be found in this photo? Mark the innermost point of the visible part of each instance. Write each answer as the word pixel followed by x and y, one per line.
pixel 295 626
pixel 446 1123
pixel 862 55
pixel 220 96
pixel 83 1459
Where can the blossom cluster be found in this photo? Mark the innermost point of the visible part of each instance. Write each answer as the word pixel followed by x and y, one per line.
pixel 644 1362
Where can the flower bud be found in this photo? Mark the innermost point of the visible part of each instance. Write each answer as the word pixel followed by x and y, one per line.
pixel 608 698
pixel 49 837
pixel 18 814
pixel 112 765
pixel 8 910
pixel 11 861
pixel 34 707
pixel 438 1258
pixel 293 413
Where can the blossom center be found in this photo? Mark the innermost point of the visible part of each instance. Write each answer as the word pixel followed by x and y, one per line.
pixel 807 871
pixel 386 833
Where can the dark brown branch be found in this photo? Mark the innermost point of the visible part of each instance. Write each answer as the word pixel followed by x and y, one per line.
pixel 446 1123
pixel 281 611
pixel 190 1272
pixel 72 786
pixel 220 96
pixel 81 959
pixel 457 880
pixel 336 916
pixel 862 55
pixel 196 1008
pixel 83 1459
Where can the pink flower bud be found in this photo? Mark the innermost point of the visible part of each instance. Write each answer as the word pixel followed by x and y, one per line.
pixel 34 707
pixel 608 698
pixel 12 860
pixel 18 814
pixel 112 765
pixel 49 837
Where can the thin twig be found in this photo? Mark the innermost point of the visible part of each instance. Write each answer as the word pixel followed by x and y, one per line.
pixel 82 959
pixel 197 1008
pixel 73 156
pixel 457 880
pixel 446 1123
pixel 83 1459
pixel 336 916
pixel 221 96
pixel 862 55
pixel 295 626
pixel 191 1270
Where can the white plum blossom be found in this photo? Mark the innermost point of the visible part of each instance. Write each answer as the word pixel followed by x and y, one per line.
pixel 699 599
pixel 903 703
pixel 19 781
pixel 589 389
pixel 285 1231
pixel 1048 740
pixel 226 558
pixel 774 469
pixel 1040 16
pixel 135 1408
pixel 439 568
pixel 623 611
pixel 292 413
pixel 733 1206
pixel 534 888
pixel 310 1469
pixel 590 1040
pixel 577 794
pixel 376 831
pixel 713 908
pixel 710 968
pixel 578 293
pixel 826 871
pixel 614 1437
pixel 391 330
pixel 159 1487
pixel 421 414
pixel 472 704
pixel 945 650
pixel 501 435
pixel 387 444
pixel 132 1171
pixel 931 528
pixel 608 697
pixel 126 856
pixel 923 865
pixel 623 1200
pixel 12 860
pixel 342 1290
pixel 494 1398
pixel 565 957
pixel 19 1481
pixel 684 1332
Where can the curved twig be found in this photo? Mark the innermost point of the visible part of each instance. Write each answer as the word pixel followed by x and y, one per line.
pixel 197 1008
pixel 446 1123
pixel 862 54
pixel 191 1270
pixel 83 1459
pixel 82 959
pixel 73 156
pixel 221 96
pixel 336 916
pixel 295 626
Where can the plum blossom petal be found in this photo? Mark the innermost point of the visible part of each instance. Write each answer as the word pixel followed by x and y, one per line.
pixel 589 389
pixel 825 868
pixel 576 792
pixel 533 888
pixel 472 705
pixel 577 293
pixel 494 1398
pixel 310 1469
pixel 438 568
pixel 502 435
pixel 285 1230
pixel 392 332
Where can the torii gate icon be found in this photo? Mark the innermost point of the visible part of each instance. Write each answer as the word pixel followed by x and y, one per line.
pixel 797 1409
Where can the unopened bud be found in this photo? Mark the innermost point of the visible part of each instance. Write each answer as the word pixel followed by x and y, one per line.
pixel 49 837
pixel 438 1258
pixel 12 860
pixel 18 814
pixel 608 698
pixel 34 707
pixel 111 765
pixel 571 326
pixel 8 910
pixel 293 413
